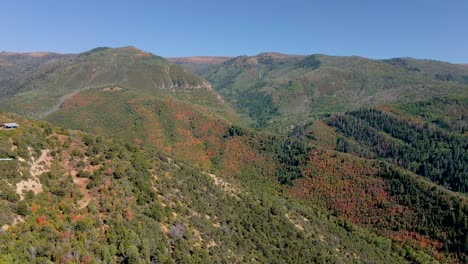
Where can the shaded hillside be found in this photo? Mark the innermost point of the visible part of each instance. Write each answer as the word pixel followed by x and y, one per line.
pixel 437 70
pixel 277 88
pixel 14 65
pixel 48 82
pixel 98 200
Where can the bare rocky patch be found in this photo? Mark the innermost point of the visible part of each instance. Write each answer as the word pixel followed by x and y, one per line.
pixel 111 89
pixel 297 220
pixel 227 187
pixel 16 220
pixel 36 168
pixel 81 184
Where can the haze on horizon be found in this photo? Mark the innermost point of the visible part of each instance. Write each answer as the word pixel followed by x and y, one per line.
pixel 420 29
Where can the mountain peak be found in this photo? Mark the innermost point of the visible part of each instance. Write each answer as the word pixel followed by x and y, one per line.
pixel 275 55
pixel 127 50
pixel 135 50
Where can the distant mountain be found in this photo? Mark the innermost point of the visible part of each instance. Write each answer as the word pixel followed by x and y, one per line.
pixel 199 60
pixel 12 65
pixel 37 85
pixel 437 70
pixel 277 87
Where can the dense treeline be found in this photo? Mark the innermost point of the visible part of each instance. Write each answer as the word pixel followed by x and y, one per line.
pixel 432 152
pixel 447 113
pixel 289 155
pixel 259 106
pixel 292 156
pixel 438 214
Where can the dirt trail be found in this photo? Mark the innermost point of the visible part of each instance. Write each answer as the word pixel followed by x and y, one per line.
pixel 65 97
pixel 296 224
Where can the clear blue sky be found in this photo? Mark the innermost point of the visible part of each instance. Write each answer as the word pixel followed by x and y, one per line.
pixel 432 29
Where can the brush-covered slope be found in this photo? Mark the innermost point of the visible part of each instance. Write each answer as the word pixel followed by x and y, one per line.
pixel 68 196
pixel 189 131
pixel 40 89
pixel 273 86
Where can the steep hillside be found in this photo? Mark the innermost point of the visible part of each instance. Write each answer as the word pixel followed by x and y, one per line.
pixel 188 131
pixel 42 88
pixel 360 188
pixel 285 88
pixel 363 187
pixel 73 197
pixel 387 200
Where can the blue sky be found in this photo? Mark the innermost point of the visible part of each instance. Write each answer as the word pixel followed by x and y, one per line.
pixel 376 29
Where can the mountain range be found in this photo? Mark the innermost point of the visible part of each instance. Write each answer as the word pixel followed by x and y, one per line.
pixel 123 156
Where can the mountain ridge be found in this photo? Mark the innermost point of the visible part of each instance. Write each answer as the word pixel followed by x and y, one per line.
pixel 296 86
pixel 50 79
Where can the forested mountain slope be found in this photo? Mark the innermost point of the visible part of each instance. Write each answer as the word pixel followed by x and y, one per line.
pixel 73 197
pixel 273 87
pixel 372 184
pixel 170 172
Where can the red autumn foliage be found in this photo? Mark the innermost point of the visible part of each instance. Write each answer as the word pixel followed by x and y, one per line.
pixel 76 217
pixel 65 235
pixel 128 214
pixel 417 239
pixel 238 154
pixel 109 172
pixel 86 259
pixel 350 189
pixel 42 220
pixel 82 99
